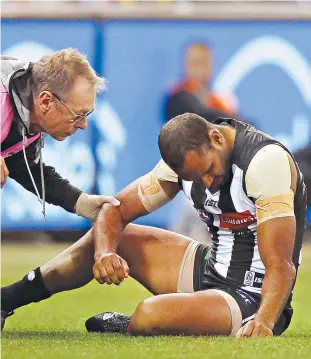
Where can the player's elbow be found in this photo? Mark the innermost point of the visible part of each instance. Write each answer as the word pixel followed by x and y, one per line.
pixel 111 212
pixel 145 319
pixel 291 270
pixel 107 207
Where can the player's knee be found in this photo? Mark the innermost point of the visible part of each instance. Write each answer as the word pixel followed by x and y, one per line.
pixel 145 319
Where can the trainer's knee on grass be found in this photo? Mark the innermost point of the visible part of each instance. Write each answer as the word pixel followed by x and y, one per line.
pixel 145 320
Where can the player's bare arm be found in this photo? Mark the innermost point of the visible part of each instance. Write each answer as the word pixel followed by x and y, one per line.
pixel 141 197
pixel 276 235
pixel 276 242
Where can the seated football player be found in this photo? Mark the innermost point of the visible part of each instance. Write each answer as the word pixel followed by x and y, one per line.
pixel 249 191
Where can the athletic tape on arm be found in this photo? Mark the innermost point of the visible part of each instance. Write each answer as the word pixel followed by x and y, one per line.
pixel 268 180
pixel 150 191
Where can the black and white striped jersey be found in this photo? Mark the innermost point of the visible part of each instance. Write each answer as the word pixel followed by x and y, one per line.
pixel 231 215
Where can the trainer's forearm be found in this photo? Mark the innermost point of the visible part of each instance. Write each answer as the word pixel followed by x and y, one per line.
pixel 107 229
pixel 276 288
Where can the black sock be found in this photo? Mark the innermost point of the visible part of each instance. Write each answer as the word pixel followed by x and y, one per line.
pixel 30 289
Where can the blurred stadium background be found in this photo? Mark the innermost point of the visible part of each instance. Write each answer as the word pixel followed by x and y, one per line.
pixel 261 59
pixel 261 65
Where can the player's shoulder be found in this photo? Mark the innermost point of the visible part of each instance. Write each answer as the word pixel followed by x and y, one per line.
pixel 165 173
pixel 271 153
pixel 269 172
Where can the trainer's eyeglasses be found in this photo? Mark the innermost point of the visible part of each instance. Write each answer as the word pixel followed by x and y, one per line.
pixel 76 117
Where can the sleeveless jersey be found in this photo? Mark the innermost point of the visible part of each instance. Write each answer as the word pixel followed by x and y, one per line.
pixel 231 215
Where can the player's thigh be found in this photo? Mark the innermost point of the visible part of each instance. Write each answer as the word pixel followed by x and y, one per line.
pixel 154 256
pixel 201 313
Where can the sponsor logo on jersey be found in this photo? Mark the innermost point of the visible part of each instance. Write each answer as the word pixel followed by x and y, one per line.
pixel 249 278
pixel 211 203
pixel 236 221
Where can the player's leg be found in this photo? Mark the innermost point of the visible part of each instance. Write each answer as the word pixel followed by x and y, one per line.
pixel 73 267
pixel 69 270
pixel 154 256
pixel 206 312
pixel 167 263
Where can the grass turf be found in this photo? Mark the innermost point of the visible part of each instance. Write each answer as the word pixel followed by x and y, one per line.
pixel 55 328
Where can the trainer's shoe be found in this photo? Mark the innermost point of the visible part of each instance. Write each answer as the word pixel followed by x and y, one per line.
pixel 4 315
pixel 108 322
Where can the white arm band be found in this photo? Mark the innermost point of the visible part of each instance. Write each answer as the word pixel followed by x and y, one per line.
pixel 165 173
pixel 150 191
pixel 268 180
pixel 269 173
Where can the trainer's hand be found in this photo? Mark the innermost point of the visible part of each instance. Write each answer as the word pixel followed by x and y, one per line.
pixel 110 268
pixel 254 328
pixel 88 206
pixel 4 171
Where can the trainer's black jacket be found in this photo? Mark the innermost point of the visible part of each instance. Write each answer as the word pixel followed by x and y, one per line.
pixel 16 77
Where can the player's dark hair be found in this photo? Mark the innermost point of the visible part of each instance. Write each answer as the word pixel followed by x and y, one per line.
pixel 181 134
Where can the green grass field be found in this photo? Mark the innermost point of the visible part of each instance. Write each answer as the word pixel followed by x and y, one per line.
pixel 55 328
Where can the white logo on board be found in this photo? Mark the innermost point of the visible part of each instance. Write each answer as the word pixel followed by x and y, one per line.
pixel 276 51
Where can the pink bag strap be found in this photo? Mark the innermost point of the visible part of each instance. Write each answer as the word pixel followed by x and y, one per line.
pixel 19 146
pixel 7 114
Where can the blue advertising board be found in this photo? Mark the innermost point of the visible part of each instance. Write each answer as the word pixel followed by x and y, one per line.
pixel 264 65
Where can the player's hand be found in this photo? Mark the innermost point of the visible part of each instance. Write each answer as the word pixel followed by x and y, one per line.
pixel 254 328
pixel 88 205
pixel 110 268
pixel 4 171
